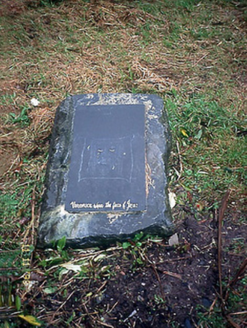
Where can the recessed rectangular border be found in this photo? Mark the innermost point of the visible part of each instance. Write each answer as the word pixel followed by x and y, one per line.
pixel 107 168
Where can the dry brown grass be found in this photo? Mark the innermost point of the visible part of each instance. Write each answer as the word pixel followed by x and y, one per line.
pixel 107 47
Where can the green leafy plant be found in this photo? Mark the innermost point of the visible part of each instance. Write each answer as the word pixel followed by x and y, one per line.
pixel 211 320
pixel 159 300
pixel 56 257
pixel 135 242
pixel 49 3
pixel 22 119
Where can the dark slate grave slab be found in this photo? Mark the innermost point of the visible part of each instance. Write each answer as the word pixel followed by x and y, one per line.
pixel 107 170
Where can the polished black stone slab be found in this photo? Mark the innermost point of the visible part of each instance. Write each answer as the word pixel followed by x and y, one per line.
pixel 107 169
pixel 106 176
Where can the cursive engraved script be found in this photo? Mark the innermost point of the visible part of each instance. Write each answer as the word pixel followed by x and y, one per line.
pixel 107 206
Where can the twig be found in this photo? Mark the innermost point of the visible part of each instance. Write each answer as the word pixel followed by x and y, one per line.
pixel 114 305
pixel 131 315
pixel 180 162
pixel 5 135
pixel 172 274
pixel 239 273
pixel 221 215
pixel 33 216
pixel 101 287
pixel 238 313
pixel 158 278
pixel 196 63
pixel 237 277
pixel 31 224
pixel 104 324
pixel 233 323
pixel 63 304
pixel 174 260
pixel 212 305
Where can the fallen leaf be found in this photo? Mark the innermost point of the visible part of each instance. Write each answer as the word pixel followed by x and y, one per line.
pixel 184 133
pixel 99 257
pixel 172 199
pixel 71 266
pixel 17 302
pixel 199 135
pixel 28 284
pixel 30 319
pixel 50 290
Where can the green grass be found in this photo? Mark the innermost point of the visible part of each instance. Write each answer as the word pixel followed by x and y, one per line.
pixel 12 205
pixel 213 156
pixel 236 302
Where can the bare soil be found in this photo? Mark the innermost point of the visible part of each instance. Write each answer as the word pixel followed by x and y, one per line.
pixel 154 285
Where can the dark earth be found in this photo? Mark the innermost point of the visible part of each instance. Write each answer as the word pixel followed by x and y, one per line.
pixel 151 284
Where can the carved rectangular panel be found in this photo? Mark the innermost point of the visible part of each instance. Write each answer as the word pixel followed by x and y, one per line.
pixel 107 169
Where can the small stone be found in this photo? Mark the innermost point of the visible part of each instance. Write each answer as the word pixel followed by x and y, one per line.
pixel 173 240
pixel 187 323
pixel 206 302
pixel 35 102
